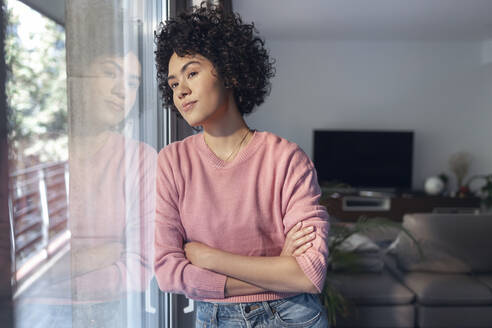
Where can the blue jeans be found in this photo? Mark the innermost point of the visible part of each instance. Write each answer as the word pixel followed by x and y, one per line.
pixel 303 310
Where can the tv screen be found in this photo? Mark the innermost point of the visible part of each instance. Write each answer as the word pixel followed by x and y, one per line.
pixel 364 159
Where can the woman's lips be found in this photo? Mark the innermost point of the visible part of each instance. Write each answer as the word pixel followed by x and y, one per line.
pixel 189 106
pixel 115 106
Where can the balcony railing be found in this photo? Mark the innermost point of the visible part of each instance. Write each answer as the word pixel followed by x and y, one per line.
pixel 38 213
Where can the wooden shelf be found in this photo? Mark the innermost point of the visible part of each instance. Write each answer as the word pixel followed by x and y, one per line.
pixel 399 206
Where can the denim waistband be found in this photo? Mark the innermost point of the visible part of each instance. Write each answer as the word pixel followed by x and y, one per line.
pixel 248 310
pixel 271 302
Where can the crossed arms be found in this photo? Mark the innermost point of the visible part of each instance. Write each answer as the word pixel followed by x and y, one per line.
pixel 255 274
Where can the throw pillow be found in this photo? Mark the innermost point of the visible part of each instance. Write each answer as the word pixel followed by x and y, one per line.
pixel 435 258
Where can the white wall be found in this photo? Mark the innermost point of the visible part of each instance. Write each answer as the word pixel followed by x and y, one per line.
pixel 441 91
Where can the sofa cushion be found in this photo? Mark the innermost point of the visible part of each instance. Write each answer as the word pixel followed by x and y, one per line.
pixel 392 316
pixel 435 257
pixel 358 243
pixel 371 288
pixel 450 242
pixel 383 235
pixel 454 316
pixel 447 289
pixel 485 279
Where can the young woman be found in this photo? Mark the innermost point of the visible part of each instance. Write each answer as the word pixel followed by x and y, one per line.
pixel 234 205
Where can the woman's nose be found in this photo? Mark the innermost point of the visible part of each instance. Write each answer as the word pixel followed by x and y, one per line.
pixel 119 89
pixel 183 90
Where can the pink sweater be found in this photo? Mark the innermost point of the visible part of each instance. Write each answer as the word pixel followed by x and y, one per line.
pixel 244 207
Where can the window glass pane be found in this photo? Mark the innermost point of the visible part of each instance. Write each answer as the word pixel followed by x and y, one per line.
pixel 83 138
pixel 38 154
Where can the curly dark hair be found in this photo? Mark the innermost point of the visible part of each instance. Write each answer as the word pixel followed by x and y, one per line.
pixel 238 56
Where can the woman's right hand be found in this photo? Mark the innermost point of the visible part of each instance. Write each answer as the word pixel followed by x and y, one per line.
pixel 298 240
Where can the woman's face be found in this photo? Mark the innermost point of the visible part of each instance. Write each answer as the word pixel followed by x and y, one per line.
pixel 198 93
pixel 114 88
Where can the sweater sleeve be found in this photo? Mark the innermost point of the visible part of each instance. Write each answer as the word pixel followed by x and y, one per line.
pixel 174 272
pixel 301 196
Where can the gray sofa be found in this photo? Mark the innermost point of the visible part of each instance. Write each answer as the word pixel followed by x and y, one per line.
pixel 451 286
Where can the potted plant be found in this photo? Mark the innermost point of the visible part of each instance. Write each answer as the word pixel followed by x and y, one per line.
pixel 459 164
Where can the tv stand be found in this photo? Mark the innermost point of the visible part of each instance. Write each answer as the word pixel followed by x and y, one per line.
pixel 350 206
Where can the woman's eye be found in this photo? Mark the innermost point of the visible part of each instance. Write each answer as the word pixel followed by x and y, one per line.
pixel 133 85
pixel 173 85
pixel 192 74
pixel 109 74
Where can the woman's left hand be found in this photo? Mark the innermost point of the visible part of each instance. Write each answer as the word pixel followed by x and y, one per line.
pixel 199 254
pixel 298 240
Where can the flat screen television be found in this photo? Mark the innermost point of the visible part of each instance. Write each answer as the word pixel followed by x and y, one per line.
pixel 364 159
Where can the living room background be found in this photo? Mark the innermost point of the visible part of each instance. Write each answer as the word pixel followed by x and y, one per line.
pixel 436 84
pixel 441 90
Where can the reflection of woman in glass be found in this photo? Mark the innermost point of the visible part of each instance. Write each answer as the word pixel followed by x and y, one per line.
pixel 230 200
pixel 112 197
pixel 111 191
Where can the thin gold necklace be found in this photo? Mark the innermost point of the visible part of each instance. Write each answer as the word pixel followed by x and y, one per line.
pixel 242 140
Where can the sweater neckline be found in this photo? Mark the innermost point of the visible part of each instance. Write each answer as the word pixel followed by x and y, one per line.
pixel 243 154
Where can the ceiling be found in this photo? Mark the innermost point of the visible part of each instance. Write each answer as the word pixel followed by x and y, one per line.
pixel 432 20
pixel 54 9
pixel 420 20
